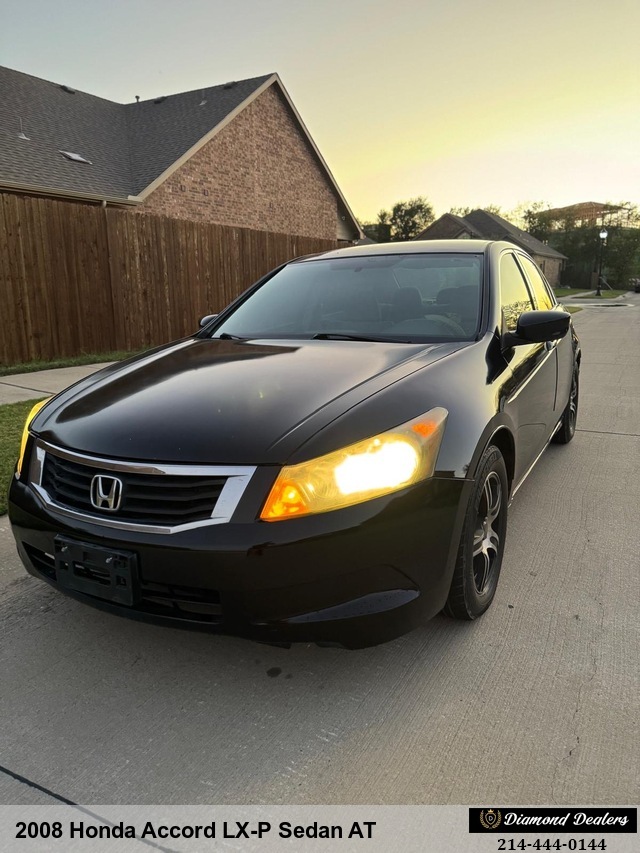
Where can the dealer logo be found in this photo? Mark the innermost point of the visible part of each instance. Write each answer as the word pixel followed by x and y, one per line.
pixel 491 818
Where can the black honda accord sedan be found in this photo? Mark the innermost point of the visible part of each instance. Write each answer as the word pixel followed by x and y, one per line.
pixel 329 460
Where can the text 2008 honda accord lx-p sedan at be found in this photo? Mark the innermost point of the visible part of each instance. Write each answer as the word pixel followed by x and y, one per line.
pixel 330 459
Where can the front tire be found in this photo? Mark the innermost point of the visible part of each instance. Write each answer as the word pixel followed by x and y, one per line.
pixel 479 560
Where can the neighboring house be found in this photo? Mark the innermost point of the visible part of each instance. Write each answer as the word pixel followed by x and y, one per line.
pixel 480 224
pixel 450 227
pixel 235 154
pixel 592 214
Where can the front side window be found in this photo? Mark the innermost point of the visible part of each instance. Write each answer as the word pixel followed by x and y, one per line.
pixel 408 298
pixel 543 299
pixel 514 296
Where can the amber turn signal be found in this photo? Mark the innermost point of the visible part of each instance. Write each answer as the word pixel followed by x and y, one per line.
pixel 25 432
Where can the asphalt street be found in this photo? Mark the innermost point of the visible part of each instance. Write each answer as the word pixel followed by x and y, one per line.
pixel 537 702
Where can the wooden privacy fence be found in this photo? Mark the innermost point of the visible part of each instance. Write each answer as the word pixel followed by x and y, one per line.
pixel 79 278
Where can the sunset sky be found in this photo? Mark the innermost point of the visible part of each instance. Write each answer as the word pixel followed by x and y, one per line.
pixel 468 102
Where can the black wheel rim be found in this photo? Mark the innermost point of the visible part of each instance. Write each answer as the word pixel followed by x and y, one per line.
pixel 486 537
pixel 573 404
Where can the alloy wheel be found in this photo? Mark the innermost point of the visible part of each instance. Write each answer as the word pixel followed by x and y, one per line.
pixel 486 537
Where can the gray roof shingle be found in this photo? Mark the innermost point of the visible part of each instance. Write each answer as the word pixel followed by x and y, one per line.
pixel 56 120
pixel 129 145
pixel 487 226
pixel 448 226
pixel 494 227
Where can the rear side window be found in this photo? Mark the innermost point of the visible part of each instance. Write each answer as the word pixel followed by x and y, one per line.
pixel 544 301
pixel 514 295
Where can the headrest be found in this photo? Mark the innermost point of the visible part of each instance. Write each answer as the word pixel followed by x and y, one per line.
pixel 407 303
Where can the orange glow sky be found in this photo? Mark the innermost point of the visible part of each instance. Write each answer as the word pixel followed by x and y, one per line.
pixel 468 102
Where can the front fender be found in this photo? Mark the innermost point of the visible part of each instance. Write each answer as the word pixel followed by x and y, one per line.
pixel 460 383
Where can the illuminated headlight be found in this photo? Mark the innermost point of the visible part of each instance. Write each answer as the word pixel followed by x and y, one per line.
pixel 376 466
pixel 25 432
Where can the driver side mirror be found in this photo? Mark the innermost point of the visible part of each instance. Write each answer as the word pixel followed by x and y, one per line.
pixel 538 327
pixel 207 319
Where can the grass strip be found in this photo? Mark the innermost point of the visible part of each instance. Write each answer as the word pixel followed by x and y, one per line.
pixel 607 294
pixel 71 361
pixel 566 291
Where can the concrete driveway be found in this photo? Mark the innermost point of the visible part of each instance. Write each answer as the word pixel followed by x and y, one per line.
pixel 537 702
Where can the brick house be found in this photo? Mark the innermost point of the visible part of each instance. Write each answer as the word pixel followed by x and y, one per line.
pixel 235 154
pixel 483 225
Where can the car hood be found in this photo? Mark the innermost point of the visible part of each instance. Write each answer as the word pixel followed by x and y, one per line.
pixel 224 402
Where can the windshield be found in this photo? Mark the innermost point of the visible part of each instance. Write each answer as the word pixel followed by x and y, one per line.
pixel 404 298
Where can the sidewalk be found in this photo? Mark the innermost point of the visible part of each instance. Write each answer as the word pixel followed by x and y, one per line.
pixel 43 383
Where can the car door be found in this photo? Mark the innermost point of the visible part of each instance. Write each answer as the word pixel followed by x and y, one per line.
pixel 531 387
pixel 545 301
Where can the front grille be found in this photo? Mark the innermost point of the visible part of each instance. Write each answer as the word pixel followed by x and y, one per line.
pixel 159 499
pixel 186 602
pixel 43 562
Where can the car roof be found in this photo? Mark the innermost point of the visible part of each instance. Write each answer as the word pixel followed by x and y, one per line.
pixel 411 247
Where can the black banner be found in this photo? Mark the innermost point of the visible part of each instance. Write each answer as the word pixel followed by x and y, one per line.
pixel 561 819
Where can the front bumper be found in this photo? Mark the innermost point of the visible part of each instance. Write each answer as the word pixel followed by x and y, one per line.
pixel 354 577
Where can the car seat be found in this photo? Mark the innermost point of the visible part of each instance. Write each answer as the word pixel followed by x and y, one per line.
pixel 407 304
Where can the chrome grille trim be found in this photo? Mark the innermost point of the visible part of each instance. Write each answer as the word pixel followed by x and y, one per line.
pixel 238 477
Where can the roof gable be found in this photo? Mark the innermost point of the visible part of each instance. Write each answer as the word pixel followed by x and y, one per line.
pixel 481 224
pixel 494 227
pixel 132 148
pixel 448 226
pixel 163 130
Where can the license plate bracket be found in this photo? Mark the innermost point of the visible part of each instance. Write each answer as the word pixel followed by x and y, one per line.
pixel 105 573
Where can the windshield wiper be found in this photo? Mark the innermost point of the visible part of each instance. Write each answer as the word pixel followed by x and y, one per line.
pixel 338 336
pixel 225 336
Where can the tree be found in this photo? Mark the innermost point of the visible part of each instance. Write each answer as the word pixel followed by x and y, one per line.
pixel 536 221
pixel 370 229
pixel 581 243
pixel 380 231
pixel 407 218
pixel 622 253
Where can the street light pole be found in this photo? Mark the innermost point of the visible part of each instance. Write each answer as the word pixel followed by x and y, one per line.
pixel 603 242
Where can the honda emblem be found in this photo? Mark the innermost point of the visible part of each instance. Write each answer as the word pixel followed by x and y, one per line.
pixel 106 493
